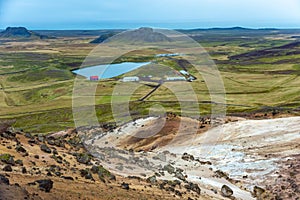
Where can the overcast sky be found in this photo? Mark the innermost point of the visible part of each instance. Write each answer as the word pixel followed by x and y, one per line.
pixel 93 14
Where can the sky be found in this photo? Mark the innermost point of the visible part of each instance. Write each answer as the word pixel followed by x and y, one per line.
pixel 98 14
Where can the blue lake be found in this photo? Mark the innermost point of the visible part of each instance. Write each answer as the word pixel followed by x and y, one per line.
pixel 110 70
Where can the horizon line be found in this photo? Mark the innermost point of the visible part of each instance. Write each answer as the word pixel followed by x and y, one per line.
pixel 192 28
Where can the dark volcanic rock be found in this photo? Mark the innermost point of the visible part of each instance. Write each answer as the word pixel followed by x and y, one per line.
pixel 226 191
pixel 7 168
pixel 258 191
pixel 4 180
pixel 169 168
pixel 125 186
pixel 179 175
pixel 45 148
pixel 112 177
pixel 20 149
pixel 221 174
pixel 7 134
pixel 86 174
pixel 152 180
pixel 194 187
pixel 24 171
pixel 83 158
pixel 19 162
pixel 28 135
pixel 94 169
pixel 161 157
pixel 45 184
pixel 187 157
pixel 178 193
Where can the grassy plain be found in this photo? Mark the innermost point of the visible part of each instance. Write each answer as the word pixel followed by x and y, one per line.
pixel 260 69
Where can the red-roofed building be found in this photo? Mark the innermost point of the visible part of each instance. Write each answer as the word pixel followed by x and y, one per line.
pixel 94 78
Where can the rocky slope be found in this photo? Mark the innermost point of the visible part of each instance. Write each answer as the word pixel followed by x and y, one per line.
pixel 244 159
pixel 57 166
pixel 250 159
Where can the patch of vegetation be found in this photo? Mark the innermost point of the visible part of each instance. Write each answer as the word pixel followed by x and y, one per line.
pixel 44 74
pixel 5 157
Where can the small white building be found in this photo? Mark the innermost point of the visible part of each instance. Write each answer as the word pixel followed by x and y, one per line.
pixel 167 55
pixel 176 78
pixel 131 79
pixel 183 72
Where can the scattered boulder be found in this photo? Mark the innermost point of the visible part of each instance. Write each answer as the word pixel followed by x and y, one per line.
pixel 7 158
pixel 179 175
pixel 94 169
pixel 8 135
pixel 257 191
pixel 20 149
pixel 7 168
pixel 24 171
pixel 169 168
pixel 83 158
pixel 45 184
pixel 221 174
pixel 100 170
pixel 32 141
pixel 54 151
pixel 125 186
pixel 19 162
pixel 193 187
pixel 187 157
pixel 58 173
pixel 204 162
pixel 101 177
pixel 112 177
pixel 4 180
pixel 226 191
pixel 45 148
pixel 152 180
pixel 178 193
pixel 28 135
pixel 41 138
pixel 58 159
pixel 86 174
pixel 50 141
pixel 120 167
pixel 161 157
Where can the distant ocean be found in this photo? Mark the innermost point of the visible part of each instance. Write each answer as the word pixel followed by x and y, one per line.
pixel 97 25
pixel 122 25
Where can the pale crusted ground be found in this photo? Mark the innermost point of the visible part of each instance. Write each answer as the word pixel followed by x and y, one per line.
pixel 251 152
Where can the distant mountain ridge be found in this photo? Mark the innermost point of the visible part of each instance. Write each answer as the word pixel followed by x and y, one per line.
pixel 102 38
pixel 143 34
pixel 236 28
pixel 20 32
